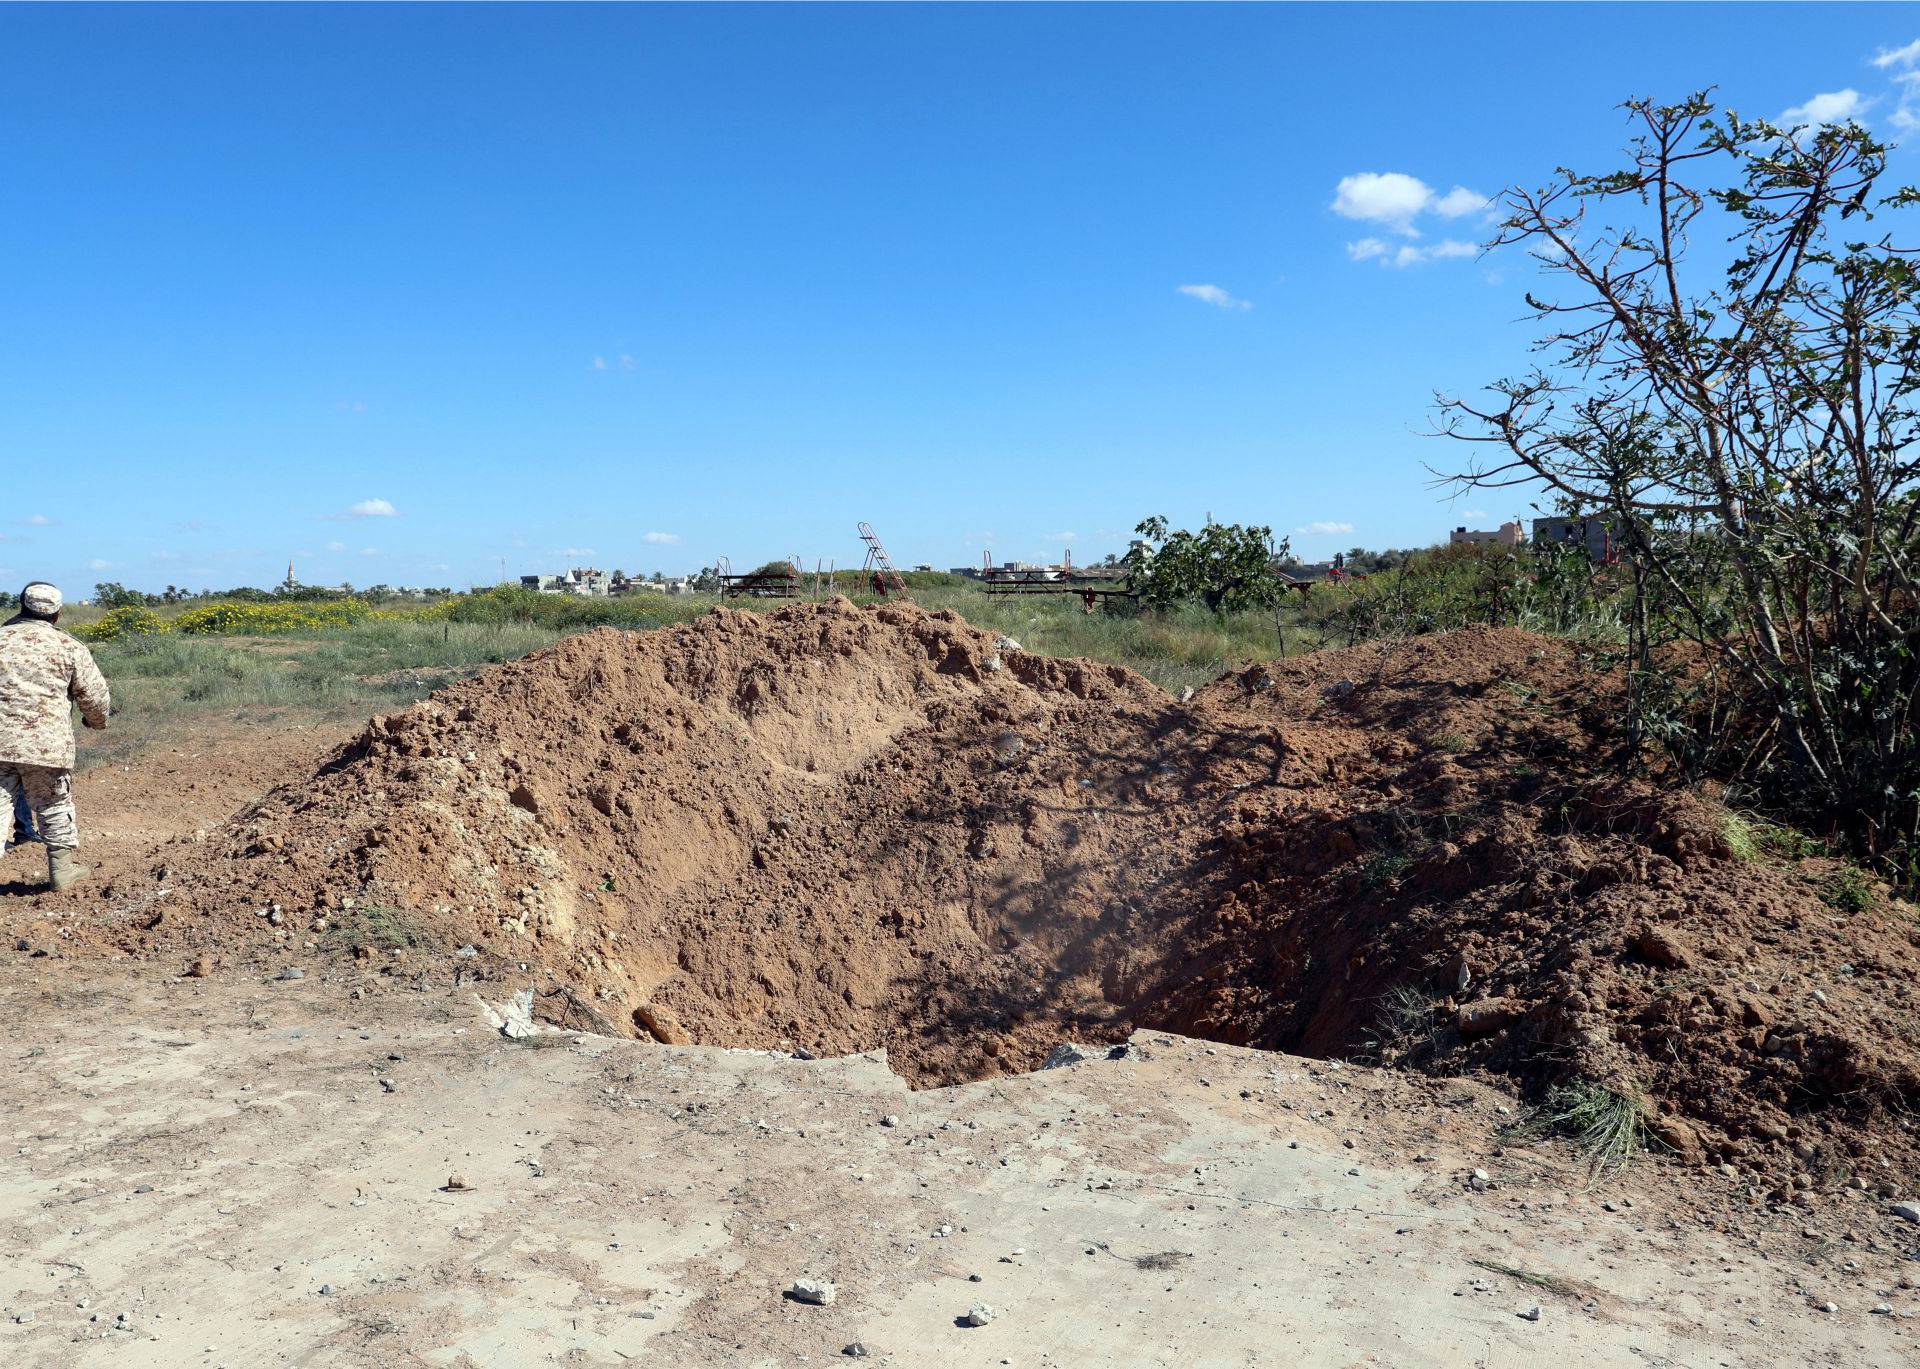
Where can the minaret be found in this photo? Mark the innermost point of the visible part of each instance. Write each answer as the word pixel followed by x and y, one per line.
pixel 291 582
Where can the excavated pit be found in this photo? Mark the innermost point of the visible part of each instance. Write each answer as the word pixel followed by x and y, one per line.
pixel 835 829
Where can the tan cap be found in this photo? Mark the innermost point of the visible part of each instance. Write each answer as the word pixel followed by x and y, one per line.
pixel 41 598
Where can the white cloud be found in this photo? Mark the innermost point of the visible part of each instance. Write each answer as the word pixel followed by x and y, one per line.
pixel 38 520
pixel 1904 117
pixel 1391 198
pixel 1831 107
pixel 574 551
pixel 623 362
pixel 336 546
pixel 1899 57
pixel 664 539
pixel 1323 529
pixel 369 551
pixel 352 406
pixel 1408 254
pixel 1214 295
pixel 1475 513
pixel 1395 201
pixel 372 508
pixel 1906 114
pixel 1063 536
pixel 98 564
pixel 1459 202
pixel 164 555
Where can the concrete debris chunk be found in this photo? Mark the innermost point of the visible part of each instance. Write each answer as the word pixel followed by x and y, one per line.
pixel 1072 1053
pixel 812 1292
pixel 979 1315
pixel 514 1018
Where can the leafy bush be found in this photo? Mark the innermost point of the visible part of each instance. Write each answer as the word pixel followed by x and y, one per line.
pixel 129 620
pixel 1747 432
pixel 1226 566
pixel 251 620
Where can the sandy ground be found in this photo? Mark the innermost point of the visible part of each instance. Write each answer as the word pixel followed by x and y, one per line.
pixel 212 1172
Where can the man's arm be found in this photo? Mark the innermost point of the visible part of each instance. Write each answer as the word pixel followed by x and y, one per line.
pixel 89 689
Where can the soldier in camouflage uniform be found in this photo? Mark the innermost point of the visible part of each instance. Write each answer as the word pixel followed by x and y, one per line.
pixel 43 672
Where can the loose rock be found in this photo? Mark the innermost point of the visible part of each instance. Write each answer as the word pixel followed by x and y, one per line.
pixel 810 1291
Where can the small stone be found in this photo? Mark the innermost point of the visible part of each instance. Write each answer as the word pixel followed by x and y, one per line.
pixel 1883 1309
pixel 198 969
pixel 855 1351
pixel 1531 1314
pixel 979 1315
pixel 457 1183
pixel 1829 1307
pixel 813 1293
pixel 468 951
pixel 1906 1212
pixel 889 1121
pixel 1479 1180
pixel 326 1290
pixel 143 1188
pixel 291 972
pixel 22 1318
pixel 388 1086
pixel 974 1278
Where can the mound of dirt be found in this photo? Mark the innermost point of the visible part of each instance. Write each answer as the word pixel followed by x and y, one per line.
pixel 832 828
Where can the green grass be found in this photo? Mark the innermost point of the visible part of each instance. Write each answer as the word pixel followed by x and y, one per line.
pixel 1407 1023
pixel 1750 837
pixel 1551 1283
pixel 163 686
pixel 372 926
pixel 1848 890
pixel 1609 1128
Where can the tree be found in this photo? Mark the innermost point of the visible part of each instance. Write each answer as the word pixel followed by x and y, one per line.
pixel 1748 438
pixel 113 594
pixel 1226 566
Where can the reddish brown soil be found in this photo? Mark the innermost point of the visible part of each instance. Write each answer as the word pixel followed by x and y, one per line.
pixel 834 828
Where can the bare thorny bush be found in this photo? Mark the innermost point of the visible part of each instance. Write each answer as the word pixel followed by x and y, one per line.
pixel 1749 443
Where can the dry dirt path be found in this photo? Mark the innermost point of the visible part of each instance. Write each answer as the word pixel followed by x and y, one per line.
pixel 212 1173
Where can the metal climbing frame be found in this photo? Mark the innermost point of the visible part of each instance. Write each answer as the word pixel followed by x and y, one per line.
pixel 879 566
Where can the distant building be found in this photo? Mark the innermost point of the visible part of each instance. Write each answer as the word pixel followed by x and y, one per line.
pixel 582 580
pixel 1590 534
pixel 1509 534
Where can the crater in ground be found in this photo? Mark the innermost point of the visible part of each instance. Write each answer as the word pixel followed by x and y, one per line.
pixel 836 829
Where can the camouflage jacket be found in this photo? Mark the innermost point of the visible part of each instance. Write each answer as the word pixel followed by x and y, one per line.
pixel 41 669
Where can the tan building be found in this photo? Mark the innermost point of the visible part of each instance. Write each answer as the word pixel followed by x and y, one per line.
pixel 1509 534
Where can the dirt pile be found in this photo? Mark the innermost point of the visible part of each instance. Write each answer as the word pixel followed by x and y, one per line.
pixel 830 828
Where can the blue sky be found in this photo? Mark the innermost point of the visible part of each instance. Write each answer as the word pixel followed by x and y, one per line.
pixel 403 292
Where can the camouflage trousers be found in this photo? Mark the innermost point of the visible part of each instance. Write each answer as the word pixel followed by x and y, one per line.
pixel 49 792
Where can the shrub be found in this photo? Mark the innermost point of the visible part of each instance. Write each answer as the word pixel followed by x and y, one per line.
pixel 252 620
pixel 129 620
